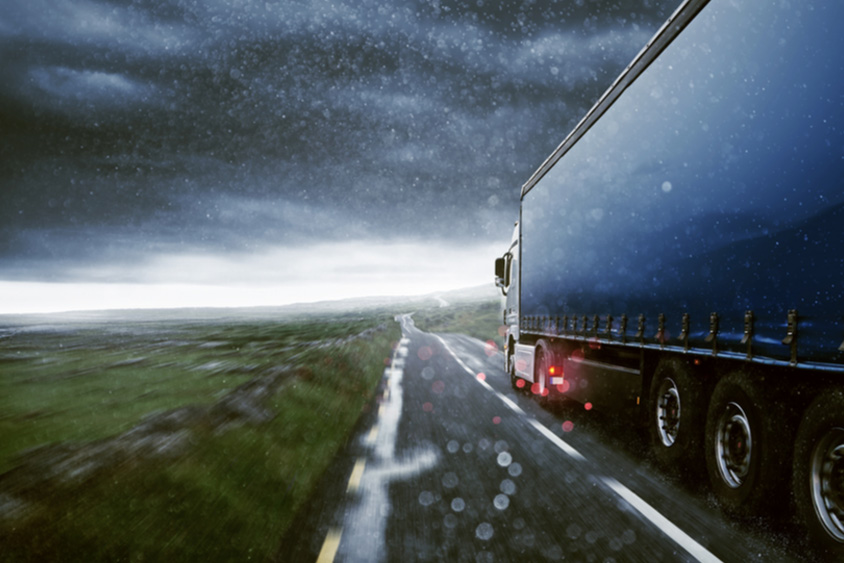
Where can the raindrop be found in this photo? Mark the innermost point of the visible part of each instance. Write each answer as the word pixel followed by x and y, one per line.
pixel 450 521
pixel 518 523
pixel 628 537
pixel 501 446
pixel 616 545
pixel 496 420
pixel 453 446
pixel 666 186
pixel 515 469
pixel 505 459
pixel 553 553
pixel 568 426
pixel 507 487
pixel 483 443
pixel 458 504
pixel 438 387
pixel 428 372
pixel 450 480
pixel 468 447
pixel 484 531
pixel 501 502
pixel 427 407
pixel 573 531
pixel 426 498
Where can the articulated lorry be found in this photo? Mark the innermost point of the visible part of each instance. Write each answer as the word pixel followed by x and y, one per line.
pixel 681 254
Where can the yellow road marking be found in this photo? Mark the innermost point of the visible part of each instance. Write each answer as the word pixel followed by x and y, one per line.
pixel 329 546
pixel 357 474
pixel 373 434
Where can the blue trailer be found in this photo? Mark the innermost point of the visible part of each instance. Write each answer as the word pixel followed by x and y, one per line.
pixel 681 253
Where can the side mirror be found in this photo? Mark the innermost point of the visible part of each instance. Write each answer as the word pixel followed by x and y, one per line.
pixel 502 270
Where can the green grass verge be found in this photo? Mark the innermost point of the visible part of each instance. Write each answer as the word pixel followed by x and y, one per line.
pixel 232 495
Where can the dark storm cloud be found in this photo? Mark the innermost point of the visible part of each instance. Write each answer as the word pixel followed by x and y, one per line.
pixel 135 127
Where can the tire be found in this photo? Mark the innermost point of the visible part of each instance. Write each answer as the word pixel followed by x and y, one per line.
pixel 677 417
pixel 747 447
pixel 818 474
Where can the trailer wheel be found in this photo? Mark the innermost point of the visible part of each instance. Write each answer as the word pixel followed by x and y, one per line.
pixel 747 439
pixel 677 415
pixel 818 474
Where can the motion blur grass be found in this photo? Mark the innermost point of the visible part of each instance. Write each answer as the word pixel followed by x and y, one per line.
pixel 232 494
pixel 479 319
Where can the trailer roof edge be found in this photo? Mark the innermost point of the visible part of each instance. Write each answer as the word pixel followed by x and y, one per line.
pixel 675 24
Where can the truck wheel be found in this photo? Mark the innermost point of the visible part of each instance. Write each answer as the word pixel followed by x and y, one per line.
pixel 818 474
pixel 676 416
pixel 746 443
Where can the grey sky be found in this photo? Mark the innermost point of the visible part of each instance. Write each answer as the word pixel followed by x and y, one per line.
pixel 131 129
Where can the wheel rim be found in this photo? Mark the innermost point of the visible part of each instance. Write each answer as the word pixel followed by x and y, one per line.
pixel 827 473
pixel 668 412
pixel 734 445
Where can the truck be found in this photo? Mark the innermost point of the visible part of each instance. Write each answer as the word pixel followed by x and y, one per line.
pixel 681 255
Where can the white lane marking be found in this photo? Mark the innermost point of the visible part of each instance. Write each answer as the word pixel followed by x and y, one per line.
pixel 556 440
pixel 650 513
pixel 664 524
pixel 509 402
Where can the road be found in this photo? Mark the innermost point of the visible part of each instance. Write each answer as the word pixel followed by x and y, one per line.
pixel 453 465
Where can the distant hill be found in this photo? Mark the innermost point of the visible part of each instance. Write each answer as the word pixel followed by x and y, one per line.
pixel 321 308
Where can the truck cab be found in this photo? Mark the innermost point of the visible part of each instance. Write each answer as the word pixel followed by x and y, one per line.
pixel 507 280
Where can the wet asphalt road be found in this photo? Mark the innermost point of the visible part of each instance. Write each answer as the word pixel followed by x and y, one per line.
pixel 452 465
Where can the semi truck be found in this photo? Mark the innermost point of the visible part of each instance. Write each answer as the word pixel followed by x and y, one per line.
pixel 681 255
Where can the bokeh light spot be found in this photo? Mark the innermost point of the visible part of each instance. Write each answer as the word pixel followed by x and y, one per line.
pixel 568 426
pixel 504 459
pixel 484 531
pixel 496 420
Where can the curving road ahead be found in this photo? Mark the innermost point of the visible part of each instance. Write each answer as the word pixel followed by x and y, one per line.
pixel 453 465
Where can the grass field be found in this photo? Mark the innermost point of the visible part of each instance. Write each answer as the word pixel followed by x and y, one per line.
pixel 231 490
